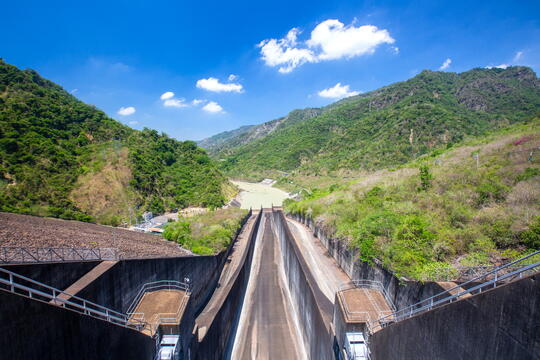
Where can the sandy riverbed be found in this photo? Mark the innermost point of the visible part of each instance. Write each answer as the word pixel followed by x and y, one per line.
pixel 255 195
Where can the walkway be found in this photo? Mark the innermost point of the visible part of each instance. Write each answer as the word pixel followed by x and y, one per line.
pixel 267 329
pixel 85 280
pixel 330 277
pixel 161 307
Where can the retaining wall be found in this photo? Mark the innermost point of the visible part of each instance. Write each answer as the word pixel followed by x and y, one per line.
pixel 402 292
pixel 35 330
pixel 222 320
pixel 502 323
pixel 313 308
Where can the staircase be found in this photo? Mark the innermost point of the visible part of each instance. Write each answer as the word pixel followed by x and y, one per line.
pixel 22 286
pixel 527 265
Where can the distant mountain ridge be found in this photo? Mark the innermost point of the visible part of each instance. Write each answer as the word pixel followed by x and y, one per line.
pixel 228 140
pixel 62 158
pixel 387 126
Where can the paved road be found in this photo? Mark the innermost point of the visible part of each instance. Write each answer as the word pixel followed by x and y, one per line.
pixel 266 328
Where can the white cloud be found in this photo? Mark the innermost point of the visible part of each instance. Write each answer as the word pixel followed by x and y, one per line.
pixel 213 84
pixel 232 77
pixel 196 102
pixel 395 49
pixel 330 40
pixel 166 95
pixel 73 91
pixel 338 91
pixel 446 64
pixel 212 107
pixel 133 122
pixel 125 111
pixel 518 56
pixel 501 66
pixel 337 40
pixel 178 103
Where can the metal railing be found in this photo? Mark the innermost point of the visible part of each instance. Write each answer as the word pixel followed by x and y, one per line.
pixel 474 286
pixel 161 318
pixel 370 284
pixel 26 287
pixel 21 255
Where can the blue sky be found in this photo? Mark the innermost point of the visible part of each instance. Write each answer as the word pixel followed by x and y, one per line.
pixel 123 56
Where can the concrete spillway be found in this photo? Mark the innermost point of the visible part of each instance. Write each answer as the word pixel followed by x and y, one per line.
pixel 267 328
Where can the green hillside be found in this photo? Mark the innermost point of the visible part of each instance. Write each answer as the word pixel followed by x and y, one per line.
pixel 392 125
pixel 63 158
pixel 477 204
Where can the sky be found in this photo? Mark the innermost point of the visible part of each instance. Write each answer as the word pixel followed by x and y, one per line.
pixel 192 69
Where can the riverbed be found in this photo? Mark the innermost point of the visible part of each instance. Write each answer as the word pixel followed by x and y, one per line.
pixel 255 195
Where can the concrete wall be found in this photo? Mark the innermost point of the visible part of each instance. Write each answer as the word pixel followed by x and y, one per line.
pixel 58 275
pixel 222 323
pixel 402 292
pixel 502 323
pixel 313 308
pixel 34 330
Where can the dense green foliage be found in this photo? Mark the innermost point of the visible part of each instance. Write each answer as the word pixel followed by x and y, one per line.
pixel 207 233
pixel 443 211
pixel 48 137
pixel 392 125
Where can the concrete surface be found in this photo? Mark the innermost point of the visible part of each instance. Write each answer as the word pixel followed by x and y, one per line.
pixel 266 328
pixel 330 277
pixel 501 323
pixel 170 303
pixel 86 279
pixel 218 320
pixel 311 307
pixel 255 195
pixel 34 330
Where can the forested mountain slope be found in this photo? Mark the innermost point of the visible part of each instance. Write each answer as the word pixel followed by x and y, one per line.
pixel 63 158
pixel 226 142
pixel 392 125
pixel 445 213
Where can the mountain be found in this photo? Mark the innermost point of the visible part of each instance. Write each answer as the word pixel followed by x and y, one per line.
pixel 441 215
pixel 227 141
pixel 388 126
pixel 60 157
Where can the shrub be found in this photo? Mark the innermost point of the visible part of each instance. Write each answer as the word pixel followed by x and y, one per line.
pixel 425 177
pixel 531 237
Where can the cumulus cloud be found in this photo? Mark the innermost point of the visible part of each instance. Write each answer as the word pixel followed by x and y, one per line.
pixel 446 64
pixel 329 40
pixel 196 102
pixel 166 95
pixel 212 107
pixel 125 111
pixel 338 91
pixel 501 66
pixel 213 84
pixel 177 103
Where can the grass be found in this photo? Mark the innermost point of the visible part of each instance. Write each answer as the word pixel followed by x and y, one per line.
pixel 208 233
pixel 442 211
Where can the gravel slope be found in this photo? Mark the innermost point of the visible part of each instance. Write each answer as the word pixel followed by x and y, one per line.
pixel 32 231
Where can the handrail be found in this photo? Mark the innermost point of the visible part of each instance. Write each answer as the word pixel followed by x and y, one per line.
pixel 161 318
pixel 157 285
pixel 13 283
pixel 372 284
pixel 459 290
pixel 22 255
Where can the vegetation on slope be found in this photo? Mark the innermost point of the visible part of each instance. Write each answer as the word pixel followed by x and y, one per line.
pixel 56 150
pixel 207 233
pixel 472 205
pixel 393 125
